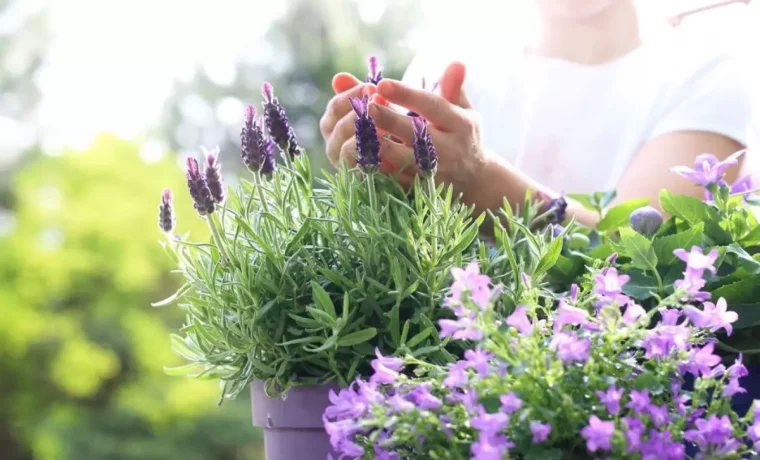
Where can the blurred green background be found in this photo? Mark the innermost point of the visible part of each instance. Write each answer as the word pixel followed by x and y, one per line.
pixel 81 351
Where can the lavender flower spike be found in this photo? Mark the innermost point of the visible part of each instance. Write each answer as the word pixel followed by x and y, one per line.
pixel 367 143
pixel 424 150
pixel 375 74
pixel 277 122
pixel 199 191
pixel 166 219
pixel 213 172
pixel 256 150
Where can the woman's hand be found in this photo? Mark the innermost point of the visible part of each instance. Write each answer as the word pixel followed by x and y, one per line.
pixel 454 128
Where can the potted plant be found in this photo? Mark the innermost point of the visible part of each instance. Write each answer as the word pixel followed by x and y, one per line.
pixel 721 228
pixel 599 376
pixel 302 285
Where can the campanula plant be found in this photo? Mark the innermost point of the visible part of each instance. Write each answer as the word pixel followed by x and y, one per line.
pixel 596 377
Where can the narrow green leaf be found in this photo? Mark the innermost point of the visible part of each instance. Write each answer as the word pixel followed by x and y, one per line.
pixel 180 292
pixel 321 316
pixel 357 337
pixel 419 338
pixel 665 245
pixel 322 299
pixel 405 332
pixel 394 326
pixel 639 249
pixel 307 323
pixel 329 343
pixel 310 339
pixel 346 307
pixel 619 216
pixel 549 258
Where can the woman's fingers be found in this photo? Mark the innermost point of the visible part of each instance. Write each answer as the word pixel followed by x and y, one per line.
pixel 392 122
pixel 452 85
pixel 343 131
pixel 432 107
pixel 344 81
pixel 339 106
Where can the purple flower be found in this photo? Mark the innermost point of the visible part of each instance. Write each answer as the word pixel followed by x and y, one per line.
pixel 423 399
pixel 346 404
pixel 609 284
pixel 458 376
pixel 490 424
pixel 468 398
pixel 611 399
pixel 424 150
pixel 341 434
pixel 737 369
pixel 166 219
pixel 713 317
pixel 570 348
pixel 646 220
pixel 277 122
pixel 639 401
pixel 661 446
pixel 469 280
pixel 659 415
pixel 199 191
pixel 707 169
pixel 634 430
pixel 213 172
pixel 256 150
pixel 519 320
pixel 553 209
pixel 742 185
pixel 375 74
pixel 398 404
pixel 662 340
pixel 715 430
pixel 732 388
pixel 386 369
pixel 540 431
pixel 691 287
pixel 367 143
pixel 510 403
pixel 753 432
pixel 569 315
pixel 632 313
pixel 478 360
pixel 461 329
pixel 701 360
pixel 598 434
pixel 697 262
pixel 490 447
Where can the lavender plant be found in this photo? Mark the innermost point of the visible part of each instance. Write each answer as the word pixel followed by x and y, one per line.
pixel 596 377
pixel 300 284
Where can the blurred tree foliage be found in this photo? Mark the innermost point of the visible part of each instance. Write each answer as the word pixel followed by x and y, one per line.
pixel 306 47
pixel 81 350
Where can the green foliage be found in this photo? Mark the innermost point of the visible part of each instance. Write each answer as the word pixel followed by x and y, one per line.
pixel 727 224
pixel 81 351
pixel 304 283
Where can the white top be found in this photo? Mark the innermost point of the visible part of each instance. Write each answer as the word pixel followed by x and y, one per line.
pixel 575 128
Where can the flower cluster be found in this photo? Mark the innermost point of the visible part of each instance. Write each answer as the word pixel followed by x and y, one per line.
pixel 277 122
pixel 598 367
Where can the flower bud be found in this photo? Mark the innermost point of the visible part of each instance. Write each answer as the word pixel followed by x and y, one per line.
pixel 646 220
pixel 166 219
pixel 375 74
pixel 213 173
pixel 424 150
pixel 203 202
pixel 256 150
pixel 277 122
pixel 367 143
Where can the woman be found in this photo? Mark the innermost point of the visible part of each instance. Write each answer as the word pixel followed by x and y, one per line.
pixel 591 107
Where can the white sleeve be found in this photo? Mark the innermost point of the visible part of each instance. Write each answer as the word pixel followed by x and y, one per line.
pixel 715 98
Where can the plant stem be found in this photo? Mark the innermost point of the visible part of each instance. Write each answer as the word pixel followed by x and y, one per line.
pixel 659 280
pixel 260 190
pixel 372 192
pixel 212 225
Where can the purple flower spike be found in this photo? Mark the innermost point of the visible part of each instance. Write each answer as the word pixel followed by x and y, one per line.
pixel 277 122
pixel 424 150
pixel 213 171
pixel 375 74
pixel 199 191
pixel 256 150
pixel 166 219
pixel 553 208
pixel 707 169
pixel 367 143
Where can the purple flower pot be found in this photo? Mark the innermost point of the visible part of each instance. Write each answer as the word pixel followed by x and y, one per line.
pixel 293 428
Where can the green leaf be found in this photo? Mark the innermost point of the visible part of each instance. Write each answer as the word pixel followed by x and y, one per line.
pixel 752 238
pixel 322 299
pixel 639 249
pixel 321 316
pixel 566 269
pixel 310 339
pixel 180 292
pixel 602 251
pixel 419 338
pixel 745 260
pixel 405 332
pixel 583 199
pixel 307 323
pixel 549 258
pixel 357 337
pixel 394 326
pixel 743 297
pixel 346 307
pixel 665 245
pixel 620 215
pixel 329 343
pixel 647 381
pixel 640 286
pixel 688 208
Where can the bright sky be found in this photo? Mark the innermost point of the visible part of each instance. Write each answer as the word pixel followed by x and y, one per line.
pixel 113 61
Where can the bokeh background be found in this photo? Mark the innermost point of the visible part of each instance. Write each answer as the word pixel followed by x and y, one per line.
pixel 100 102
